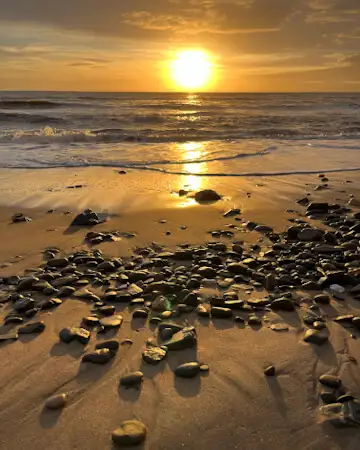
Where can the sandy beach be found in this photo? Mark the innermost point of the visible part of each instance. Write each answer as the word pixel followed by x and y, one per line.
pixel 233 405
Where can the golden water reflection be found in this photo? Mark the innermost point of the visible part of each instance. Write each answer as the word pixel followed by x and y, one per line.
pixel 193 151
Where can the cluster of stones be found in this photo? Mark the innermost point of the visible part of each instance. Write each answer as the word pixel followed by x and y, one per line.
pixel 165 285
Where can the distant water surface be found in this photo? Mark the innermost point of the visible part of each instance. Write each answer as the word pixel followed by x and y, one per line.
pixel 204 134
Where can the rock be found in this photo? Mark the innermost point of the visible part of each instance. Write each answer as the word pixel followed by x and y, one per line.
pixel 254 320
pixel 315 337
pixel 51 303
pixel 337 291
pixel 356 322
pixel 346 318
pixel 342 414
pixel 26 284
pixel 279 327
pixel 68 335
pixel 238 269
pixel 270 371
pixel 232 212
pixel 328 397
pixel 186 338
pixel 311 286
pixel 263 229
pixel 56 402
pixel 111 345
pixel 30 328
pixel 111 322
pixel 107 310
pixel 270 282
pixel 66 291
pixel 221 313
pixel 207 272
pixel 90 321
pixel 320 208
pixel 130 432
pixel 19 217
pixel 132 379
pixel 86 218
pixel 330 380
pixel 153 355
pixel 207 196
pixel 310 234
pixel 160 304
pixel 100 356
pixel 327 249
pixel 282 304
pixel 140 314
pixel 13 319
pixel 202 311
pixel 322 299
pixel 9 337
pixel 319 325
pixel 24 304
pixel 187 370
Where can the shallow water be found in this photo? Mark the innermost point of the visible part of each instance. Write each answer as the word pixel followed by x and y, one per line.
pixel 205 134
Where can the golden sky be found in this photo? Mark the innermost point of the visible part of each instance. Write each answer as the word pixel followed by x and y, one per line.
pixel 128 45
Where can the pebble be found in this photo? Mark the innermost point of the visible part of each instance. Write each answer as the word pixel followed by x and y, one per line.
pixel 270 371
pixel 315 337
pixel 100 356
pixel 330 380
pixel 323 299
pixel 207 196
pixel 130 432
pixel 56 402
pixel 30 328
pixel 254 320
pixel 282 304
pixel 140 314
pixel 132 379
pixel 187 370
pixel 68 335
pixel 154 355
pixel 111 322
pixel 111 345
pixel 186 338
pixel 221 313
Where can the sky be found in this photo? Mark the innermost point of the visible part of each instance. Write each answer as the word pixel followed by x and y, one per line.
pixel 126 45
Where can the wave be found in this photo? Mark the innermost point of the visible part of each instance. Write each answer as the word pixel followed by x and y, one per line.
pixel 29 118
pixel 28 104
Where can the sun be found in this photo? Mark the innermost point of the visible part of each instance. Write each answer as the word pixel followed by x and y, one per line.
pixel 192 69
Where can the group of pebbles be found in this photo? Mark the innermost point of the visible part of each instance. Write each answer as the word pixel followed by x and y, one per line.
pixel 304 266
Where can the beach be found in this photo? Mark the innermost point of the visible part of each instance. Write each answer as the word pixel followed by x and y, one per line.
pixel 150 227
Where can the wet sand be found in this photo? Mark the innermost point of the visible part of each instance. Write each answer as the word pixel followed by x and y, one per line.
pixel 234 405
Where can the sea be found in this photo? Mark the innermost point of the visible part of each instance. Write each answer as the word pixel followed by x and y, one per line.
pixel 222 134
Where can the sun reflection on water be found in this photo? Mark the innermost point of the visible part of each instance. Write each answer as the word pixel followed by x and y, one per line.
pixel 193 151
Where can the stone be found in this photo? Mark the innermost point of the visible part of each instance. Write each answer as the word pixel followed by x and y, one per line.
pixel 310 234
pixel 337 291
pixel 9 337
pixel 328 396
pixel 107 310
pixel 207 272
pixel 263 229
pixel 207 196
pixel 56 402
pixel 140 314
pixel 342 414
pixel 153 355
pixel 282 304
pixel 321 208
pixel 68 335
pixel 330 380
pixel 30 328
pixel 86 218
pixel 19 217
pixel 187 370
pixel 58 262
pixel 132 379
pixel 202 311
pixel 111 345
pixel 23 304
pixel 238 269
pixel 279 327
pixel 221 313
pixel 270 282
pixel 186 338
pixel 356 322
pixel 100 356
pixel 232 212
pixel 254 320
pixel 191 299
pixel 346 318
pixel 270 371
pixel 111 322
pixel 66 291
pixel 322 299
pixel 26 284
pixel 315 337
pixel 130 432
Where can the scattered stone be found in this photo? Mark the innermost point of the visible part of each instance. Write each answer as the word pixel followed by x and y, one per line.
pixel 56 402
pixel 221 313
pixel 132 379
pixel 254 321
pixel 282 304
pixel 207 196
pixel 100 356
pixel 337 291
pixel 140 314
pixel 315 337
pixel 330 380
pixel 270 371
pixel 342 414
pixel 186 338
pixel 187 370
pixel 232 212
pixel 19 217
pixel 68 335
pixel 346 318
pixel 30 328
pixel 322 299
pixel 153 355
pixel 130 432
pixel 111 322
pixel 310 234
pixel 279 327
pixel 86 218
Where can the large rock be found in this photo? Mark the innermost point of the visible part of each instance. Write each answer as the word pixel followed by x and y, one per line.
pixel 207 196
pixel 153 355
pixel 315 337
pixel 342 414
pixel 132 379
pixel 282 304
pixel 221 313
pixel 68 335
pixel 318 208
pixel 310 234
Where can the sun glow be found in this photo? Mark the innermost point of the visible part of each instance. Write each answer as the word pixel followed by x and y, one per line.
pixel 192 69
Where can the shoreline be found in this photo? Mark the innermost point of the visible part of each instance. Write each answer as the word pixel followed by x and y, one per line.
pixel 233 403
